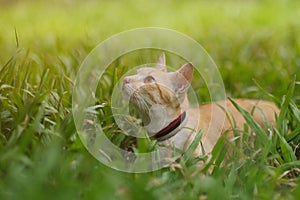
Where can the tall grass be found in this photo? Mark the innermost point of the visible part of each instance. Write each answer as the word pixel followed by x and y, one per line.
pixel 41 156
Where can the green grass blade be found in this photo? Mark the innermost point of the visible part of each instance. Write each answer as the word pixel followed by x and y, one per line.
pixel 292 135
pixel 188 155
pixel 216 154
pixel 272 97
pixel 43 79
pixel 252 123
pixel 287 151
pixel 285 107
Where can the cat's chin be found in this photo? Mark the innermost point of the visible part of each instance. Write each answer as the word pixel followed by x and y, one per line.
pixel 158 119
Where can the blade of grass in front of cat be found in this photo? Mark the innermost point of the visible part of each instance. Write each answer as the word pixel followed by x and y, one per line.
pixel 294 134
pixel 287 151
pixel 280 125
pixel 216 152
pixel 188 155
pixel 252 123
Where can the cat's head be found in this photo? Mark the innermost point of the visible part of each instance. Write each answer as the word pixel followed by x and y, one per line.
pixel 155 86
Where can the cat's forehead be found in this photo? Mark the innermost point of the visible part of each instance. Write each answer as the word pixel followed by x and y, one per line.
pixel 148 71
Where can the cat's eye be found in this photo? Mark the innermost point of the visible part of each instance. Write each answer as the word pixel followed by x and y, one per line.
pixel 149 79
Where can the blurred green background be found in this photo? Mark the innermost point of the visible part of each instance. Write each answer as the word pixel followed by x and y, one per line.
pixel 261 35
pixel 42 44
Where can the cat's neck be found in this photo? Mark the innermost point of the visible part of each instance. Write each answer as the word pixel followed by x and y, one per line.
pixel 172 128
pixel 161 117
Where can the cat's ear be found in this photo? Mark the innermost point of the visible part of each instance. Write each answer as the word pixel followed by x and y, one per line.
pixel 184 77
pixel 161 65
pixel 187 71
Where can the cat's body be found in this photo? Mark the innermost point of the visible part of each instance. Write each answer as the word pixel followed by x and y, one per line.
pixel 214 122
pixel 161 98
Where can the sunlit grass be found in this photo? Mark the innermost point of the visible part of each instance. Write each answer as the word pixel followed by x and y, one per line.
pixel 41 156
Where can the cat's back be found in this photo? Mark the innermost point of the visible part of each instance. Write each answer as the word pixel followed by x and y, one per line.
pixel 216 118
pixel 223 114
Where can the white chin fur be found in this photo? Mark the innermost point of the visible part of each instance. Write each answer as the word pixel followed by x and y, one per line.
pixel 158 116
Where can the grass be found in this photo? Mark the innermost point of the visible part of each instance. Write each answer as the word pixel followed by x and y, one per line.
pixel 255 44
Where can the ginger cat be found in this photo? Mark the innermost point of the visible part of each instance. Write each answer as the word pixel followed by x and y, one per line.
pixel 161 99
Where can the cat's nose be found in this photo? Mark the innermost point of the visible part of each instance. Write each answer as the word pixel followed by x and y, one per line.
pixel 126 80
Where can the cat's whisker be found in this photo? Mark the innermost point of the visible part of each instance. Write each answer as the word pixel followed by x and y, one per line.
pixel 141 101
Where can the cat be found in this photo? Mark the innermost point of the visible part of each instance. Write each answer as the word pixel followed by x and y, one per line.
pixel 161 100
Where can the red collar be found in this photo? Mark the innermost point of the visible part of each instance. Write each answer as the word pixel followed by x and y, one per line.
pixel 165 132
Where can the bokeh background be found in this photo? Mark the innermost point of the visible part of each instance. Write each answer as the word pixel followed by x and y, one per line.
pixel 42 44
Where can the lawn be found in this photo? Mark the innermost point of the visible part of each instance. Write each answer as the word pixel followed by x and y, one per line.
pixel 255 44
